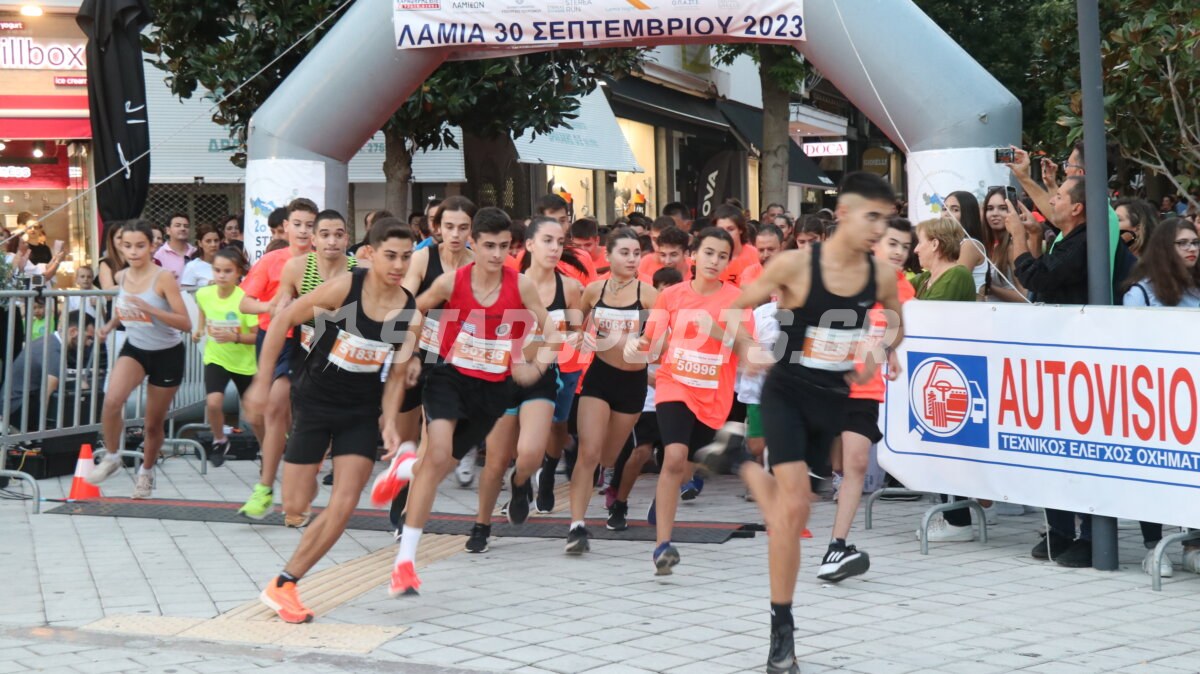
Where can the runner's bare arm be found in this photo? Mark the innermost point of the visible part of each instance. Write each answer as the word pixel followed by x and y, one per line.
pixel 289 284
pixel 574 292
pixel 416 271
pixel 327 297
pixel 888 295
pixel 394 387
pixel 775 276
pixel 437 294
pixel 537 356
pixel 178 316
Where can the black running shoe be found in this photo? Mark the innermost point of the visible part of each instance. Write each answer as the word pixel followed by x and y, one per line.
pixel 723 454
pixel 478 542
pixel 577 541
pixel 217 455
pixel 841 562
pixel 543 485
pixel 328 479
pixel 518 505
pixel 399 505
pixel 782 659
pixel 616 516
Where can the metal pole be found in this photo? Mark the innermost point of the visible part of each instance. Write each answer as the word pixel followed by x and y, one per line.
pixel 1104 529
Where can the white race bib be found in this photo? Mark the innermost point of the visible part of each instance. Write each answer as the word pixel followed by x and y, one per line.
pixel 429 335
pixel 356 354
pixel 307 333
pixel 482 355
pixel 695 368
pixel 830 349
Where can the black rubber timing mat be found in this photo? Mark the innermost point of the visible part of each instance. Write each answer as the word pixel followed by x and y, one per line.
pixel 377 520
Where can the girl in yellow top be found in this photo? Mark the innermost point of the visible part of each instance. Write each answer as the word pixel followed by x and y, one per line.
pixel 229 353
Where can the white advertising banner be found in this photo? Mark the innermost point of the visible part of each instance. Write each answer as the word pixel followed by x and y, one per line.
pixel 934 174
pixel 483 24
pixel 272 183
pixel 1092 410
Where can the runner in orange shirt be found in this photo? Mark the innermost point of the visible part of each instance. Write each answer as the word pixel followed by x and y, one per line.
pixel 670 250
pixel 731 219
pixel 694 385
pixel 769 242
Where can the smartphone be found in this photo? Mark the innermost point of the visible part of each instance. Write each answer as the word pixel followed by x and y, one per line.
pixel 1005 155
pixel 1011 193
pixel 58 246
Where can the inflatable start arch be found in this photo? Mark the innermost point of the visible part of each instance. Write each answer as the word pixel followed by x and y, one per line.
pixel 891 60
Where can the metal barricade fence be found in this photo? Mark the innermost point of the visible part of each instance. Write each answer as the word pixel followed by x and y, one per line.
pixel 34 411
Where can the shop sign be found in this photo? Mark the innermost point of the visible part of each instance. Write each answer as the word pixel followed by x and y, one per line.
pixel 61 81
pixel 836 149
pixel 16 172
pixel 12 25
pixel 26 53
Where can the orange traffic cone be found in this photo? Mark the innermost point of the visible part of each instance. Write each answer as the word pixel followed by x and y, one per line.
pixel 81 489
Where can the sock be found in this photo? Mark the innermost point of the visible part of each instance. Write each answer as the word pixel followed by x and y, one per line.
pixel 781 616
pixel 142 470
pixel 409 538
pixel 284 578
pixel 404 470
pixel 550 464
pixel 112 456
pixel 838 543
pixel 577 524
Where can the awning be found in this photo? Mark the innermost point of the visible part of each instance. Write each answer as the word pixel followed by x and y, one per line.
pixel 594 141
pixel 747 124
pixel 44 118
pixel 638 93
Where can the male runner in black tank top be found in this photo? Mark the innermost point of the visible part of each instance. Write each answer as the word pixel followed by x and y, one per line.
pixel 828 291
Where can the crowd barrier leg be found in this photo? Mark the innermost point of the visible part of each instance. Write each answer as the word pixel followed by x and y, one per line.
pixel 979 516
pixel 1161 549
pixel 177 433
pixel 196 447
pixel 26 477
pixel 889 491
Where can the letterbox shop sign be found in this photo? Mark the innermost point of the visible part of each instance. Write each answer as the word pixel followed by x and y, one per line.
pixel 27 53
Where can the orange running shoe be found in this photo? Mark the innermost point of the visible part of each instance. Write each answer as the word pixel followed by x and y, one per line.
pixel 404 580
pixel 388 484
pixel 286 602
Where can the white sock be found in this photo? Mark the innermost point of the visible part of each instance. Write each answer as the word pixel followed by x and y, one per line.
pixel 142 470
pixel 578 523
pixel 409 538
pixel 112 456
pixel 404 469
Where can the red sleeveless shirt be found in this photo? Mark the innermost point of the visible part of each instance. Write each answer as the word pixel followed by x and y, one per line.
pixel 479 341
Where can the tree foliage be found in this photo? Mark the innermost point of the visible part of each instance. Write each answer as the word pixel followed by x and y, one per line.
pixel 219 44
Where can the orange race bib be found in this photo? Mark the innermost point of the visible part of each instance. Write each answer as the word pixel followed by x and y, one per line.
pixel 356 354
pixel 830 349
pixel 481 355
pixel 696 368
pixel 429 336
pixel 307 333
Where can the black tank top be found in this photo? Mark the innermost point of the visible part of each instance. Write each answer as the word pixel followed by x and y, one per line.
pixel 626 320
pixel 823 336
pixel 433 269
pixel 430 329
pixel 346 367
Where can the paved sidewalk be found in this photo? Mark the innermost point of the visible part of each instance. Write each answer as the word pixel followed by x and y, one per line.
pixel 525 606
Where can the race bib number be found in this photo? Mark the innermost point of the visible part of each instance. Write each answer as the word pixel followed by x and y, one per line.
pixel 129 313
pixel 615 321
pixel 429 336
pixel 352 353
pixel 481 355
pixel 223 326
pixel 558 319
pixel 830 349
pixel 695 368
pixel 307 334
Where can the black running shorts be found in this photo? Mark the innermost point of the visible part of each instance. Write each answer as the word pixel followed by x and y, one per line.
pixel 473 403
pixel 315 428
pixel 862 417
pixel 163 367
pixel 800 420
pixel 217 378
pixel 679 426
pixel 623 390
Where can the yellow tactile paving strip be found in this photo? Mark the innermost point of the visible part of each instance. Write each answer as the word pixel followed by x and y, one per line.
pixel 254 623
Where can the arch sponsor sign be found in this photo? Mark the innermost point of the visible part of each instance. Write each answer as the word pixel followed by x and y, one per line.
pixel 1095 410
pixel 485 24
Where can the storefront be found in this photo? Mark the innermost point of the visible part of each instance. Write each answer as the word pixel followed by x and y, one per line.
pixel 45 135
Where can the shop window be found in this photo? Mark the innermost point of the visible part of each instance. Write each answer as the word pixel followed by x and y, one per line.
pixel 635 192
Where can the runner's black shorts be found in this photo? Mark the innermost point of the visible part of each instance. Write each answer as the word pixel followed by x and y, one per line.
pixel 316 428
pixel 800 419
pixel 164 367
pixel 677 424
pixel 217 378
pixel 623 390
pixel 862 417
pixel 283 364
pixel 414 396
pixel 645 431
pixel 473 403
pixel 545 389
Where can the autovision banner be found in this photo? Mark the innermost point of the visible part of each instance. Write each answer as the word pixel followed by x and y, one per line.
pixel 516 23
pixel 1092 410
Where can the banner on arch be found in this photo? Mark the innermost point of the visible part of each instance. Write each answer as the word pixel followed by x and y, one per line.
pixel 484 24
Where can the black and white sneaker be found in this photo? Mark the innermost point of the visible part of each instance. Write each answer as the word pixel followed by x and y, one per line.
pixel 723 454
pixel 478 542
pixel 543 486
pixel 782 659
pixel 218 453
pixel 518 505
pixel 616 516
pixel 577 541
pixel 841 562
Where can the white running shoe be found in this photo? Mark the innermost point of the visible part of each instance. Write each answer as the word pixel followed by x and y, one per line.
pixel 465 473
pixel 107 467
pixel 143 487
pixel 1165 568
pixel 940 531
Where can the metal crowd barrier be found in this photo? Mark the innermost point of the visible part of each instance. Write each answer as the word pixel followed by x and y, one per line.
pixel 73 407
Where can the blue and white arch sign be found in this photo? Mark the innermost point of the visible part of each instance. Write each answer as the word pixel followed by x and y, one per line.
pixel 1089 409
pixel 483 24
